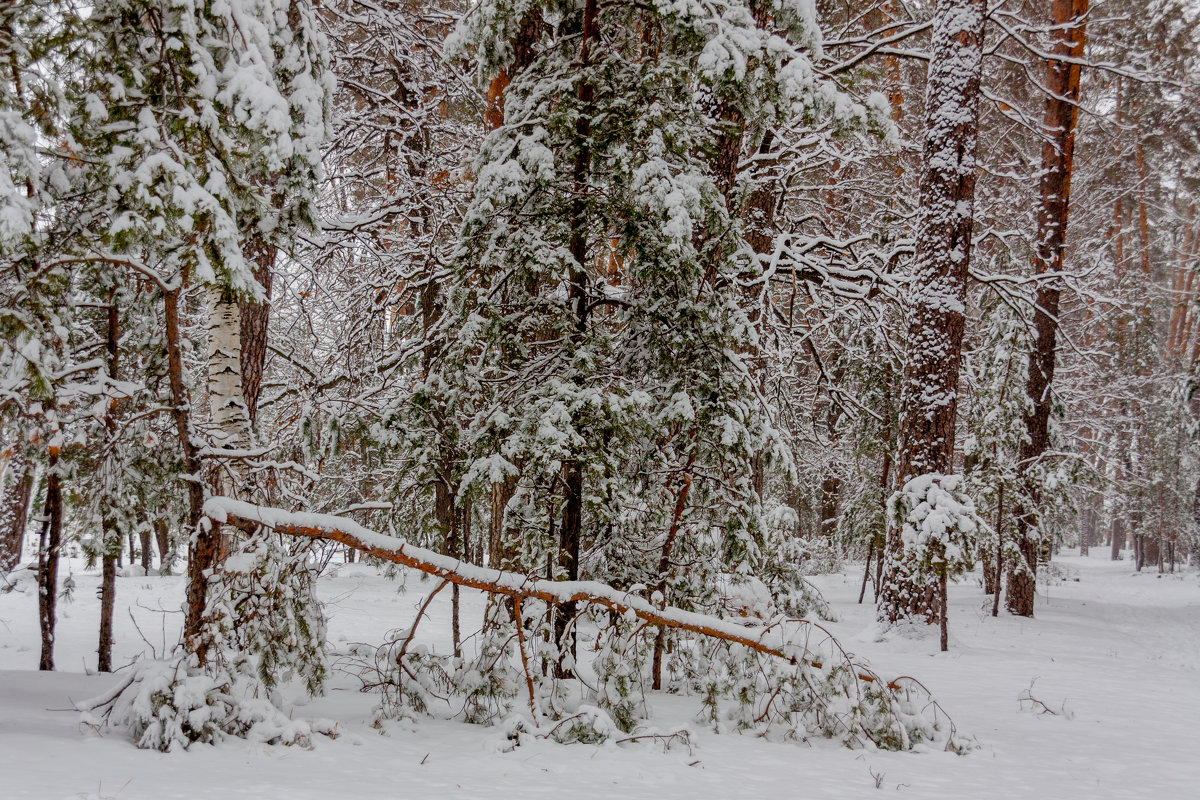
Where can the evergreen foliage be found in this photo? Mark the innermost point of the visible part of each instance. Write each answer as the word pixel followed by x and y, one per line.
pixel 608 292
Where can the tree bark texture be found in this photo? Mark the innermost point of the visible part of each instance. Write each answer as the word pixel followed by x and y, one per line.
pixel 254 320
pixel 48 552
pixel 202 544
pixel 226 404
pixel 499 556
pixel 1087 532
pixel 1060 113
pixel 443 512
pixel 108 599
pixel 523 53
pixel 571 531
pixel 936 303
pixel 14 512
pixel 112 536
pixel 831 489
pixel 862 591
pixel 994 571
pixel 937 297
pixel 664 568
pixel 162 540
pixel 144 540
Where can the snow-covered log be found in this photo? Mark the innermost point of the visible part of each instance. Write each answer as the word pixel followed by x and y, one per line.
pixel 770 640
pixel 809 684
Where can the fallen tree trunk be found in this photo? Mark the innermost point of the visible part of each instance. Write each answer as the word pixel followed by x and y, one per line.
pixel 768 640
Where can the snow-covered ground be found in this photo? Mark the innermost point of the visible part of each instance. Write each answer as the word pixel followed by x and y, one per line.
pixel 1113 659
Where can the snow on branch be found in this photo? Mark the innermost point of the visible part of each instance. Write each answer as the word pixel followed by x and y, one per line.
pixel 326 526
pixel 895 714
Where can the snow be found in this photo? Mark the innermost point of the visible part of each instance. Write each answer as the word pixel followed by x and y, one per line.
pixel 794 639
pixel 1113 652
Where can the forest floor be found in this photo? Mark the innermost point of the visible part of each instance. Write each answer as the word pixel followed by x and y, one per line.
pixel 1113 657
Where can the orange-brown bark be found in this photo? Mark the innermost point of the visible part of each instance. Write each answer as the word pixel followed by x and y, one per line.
pixel 1060 114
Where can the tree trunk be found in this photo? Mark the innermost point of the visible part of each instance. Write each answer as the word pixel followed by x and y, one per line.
pixel 254 320
pixel 1149 550
pixel 993 572
pixel 202 547
pixel 523 53
pixel 1118 535
pixel 468 545
pixel 943 603
pixel 227 413
pixel 728 146
pixel 831 486
pixel 464 554
pixel 226 404
pixel 48 552
pixel 144 538
pixel 568 555
pixel 14 511
pixel 499 556
pixel 163 540
pixel 999 571
pixel 879 538
pixel 108 597
pixel 111 535
pixel 664 568
pixel 577 294
pixel 443 513
pixel 1087 531
pixel 862 590
pixel 937 299
pixel 1137 524
pixel 1060 112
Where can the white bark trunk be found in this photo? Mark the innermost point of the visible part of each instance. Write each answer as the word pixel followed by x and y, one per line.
pixel 227 406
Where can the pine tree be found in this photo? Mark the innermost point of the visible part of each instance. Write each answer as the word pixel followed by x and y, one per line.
pixel 1060 114
pixel 937 290
pixel 594 343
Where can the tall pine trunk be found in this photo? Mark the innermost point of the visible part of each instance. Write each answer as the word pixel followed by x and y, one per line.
pixel 1059 117
pixel 937 298
pixel 48 552
pixel 202 549
pixel 112 536
pixel 571 532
